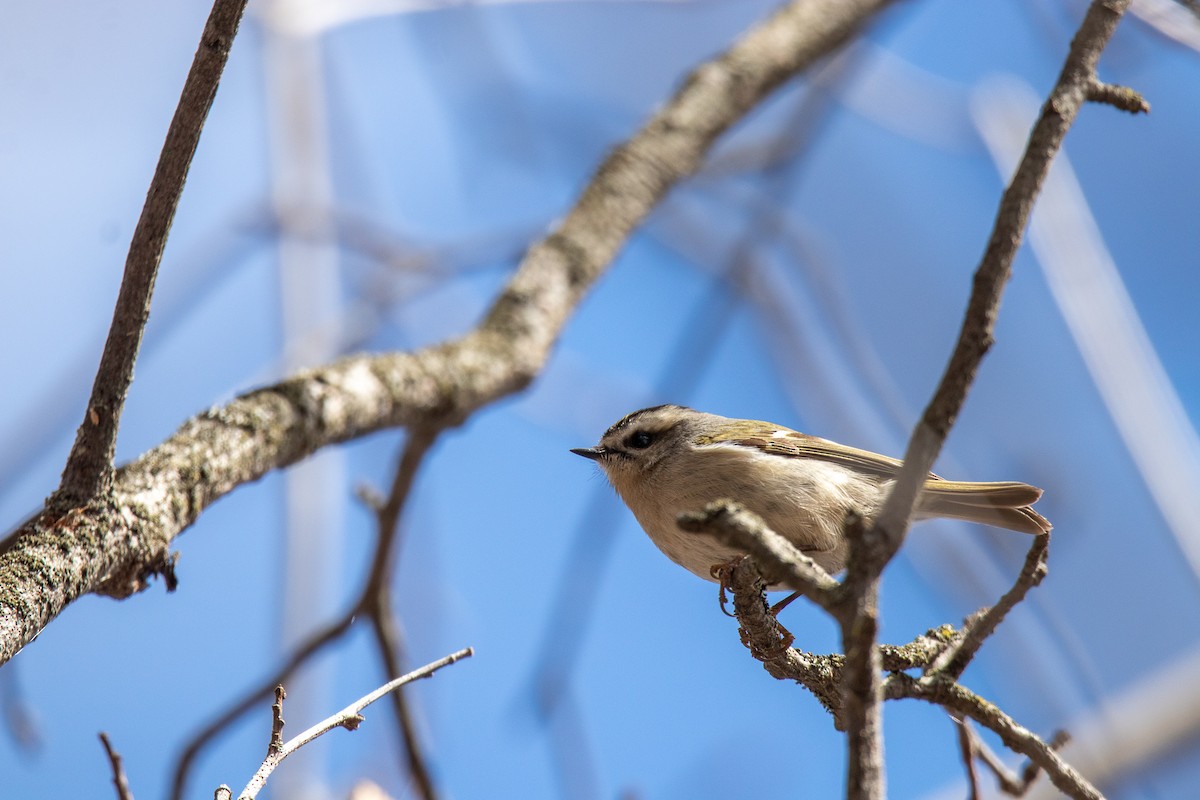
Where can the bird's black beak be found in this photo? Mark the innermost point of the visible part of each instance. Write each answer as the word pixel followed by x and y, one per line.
pixel 594 453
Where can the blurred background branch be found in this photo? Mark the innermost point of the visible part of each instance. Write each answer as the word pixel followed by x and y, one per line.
pixel 810 272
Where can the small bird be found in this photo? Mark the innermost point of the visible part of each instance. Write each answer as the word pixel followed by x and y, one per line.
pixel 669 459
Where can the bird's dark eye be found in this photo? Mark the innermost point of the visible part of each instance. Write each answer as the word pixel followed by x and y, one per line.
pixel 639 440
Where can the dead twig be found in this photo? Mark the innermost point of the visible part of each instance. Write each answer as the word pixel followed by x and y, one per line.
pixel 120 781
pixel 1009 782
pixel 348 718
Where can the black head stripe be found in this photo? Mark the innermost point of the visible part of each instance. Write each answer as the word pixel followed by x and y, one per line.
pixel 630 419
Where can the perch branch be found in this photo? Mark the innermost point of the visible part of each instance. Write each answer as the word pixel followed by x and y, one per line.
pixel 826 675
pixel 737 527
pixel 310 647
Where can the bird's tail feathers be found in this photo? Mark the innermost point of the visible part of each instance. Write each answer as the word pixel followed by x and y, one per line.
pixel 1002 504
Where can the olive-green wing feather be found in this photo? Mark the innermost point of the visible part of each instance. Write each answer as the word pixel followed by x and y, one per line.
pixel 786 442
pixel 1003 504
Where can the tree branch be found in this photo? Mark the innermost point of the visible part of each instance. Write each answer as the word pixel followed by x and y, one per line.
pixel 850 686
pixel 857 614
pixel 376 603
pixel 954 659
pixel 1076 85
pixel 88 472
pixel 275 745
pixel 968 746
pixel 736 526
pixel 953 696
pixel 872 548
pixel 1009 782
pixel 120 781
pixel 1119 97
pixel 116 546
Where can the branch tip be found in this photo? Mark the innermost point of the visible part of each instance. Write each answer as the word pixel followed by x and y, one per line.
pixel 275 744
pixel 119 779
pixel 348 718
pixel 1117 96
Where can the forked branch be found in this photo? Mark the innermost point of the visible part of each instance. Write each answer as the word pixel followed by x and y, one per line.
pixel 349 718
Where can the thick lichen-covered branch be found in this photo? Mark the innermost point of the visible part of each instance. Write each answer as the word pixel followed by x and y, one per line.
pixel 117 541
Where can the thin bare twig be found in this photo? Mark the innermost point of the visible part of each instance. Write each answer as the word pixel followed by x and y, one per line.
pixel 276 743
pixel 1057 742
pixel 872 548
pixel 348 718
pixel 1010 783
pixel 120 781
pixel 1120 97
pixel 89 469
pixel 967 743
pixel 1076 83
pixel 954 659
pixel 315 643
pixel 956 698
pixel 387 516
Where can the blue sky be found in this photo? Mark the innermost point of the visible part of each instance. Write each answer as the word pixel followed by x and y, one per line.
pixel 455 135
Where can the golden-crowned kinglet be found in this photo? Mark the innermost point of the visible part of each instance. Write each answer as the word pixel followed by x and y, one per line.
pixel 668 460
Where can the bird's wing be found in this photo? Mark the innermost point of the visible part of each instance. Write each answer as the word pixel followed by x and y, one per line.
pixel 1001 503
pixel 785 442
pixel 791 443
